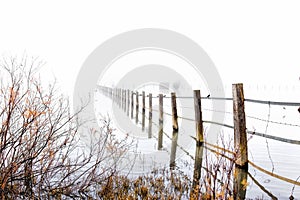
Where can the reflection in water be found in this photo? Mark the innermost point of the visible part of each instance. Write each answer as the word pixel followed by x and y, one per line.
pixel 197 167
pixel 285 162
pixel 240 182
pixel 173 149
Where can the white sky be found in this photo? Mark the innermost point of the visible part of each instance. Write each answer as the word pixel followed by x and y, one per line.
pixel 132 60
pixel 255 42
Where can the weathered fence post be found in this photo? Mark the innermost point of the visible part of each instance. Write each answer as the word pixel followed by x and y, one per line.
pixel 132 103
pixel 128 102
pixel 240 142
pixel 111 93
pixel 119 97
pixel 160 123
pixel 136 107
pixel 199 143
pixel 143 110
pixel 150 117
pixel 198 116
pixel 124 100
pixel 114 95
pixel 175 131
pixel 239 120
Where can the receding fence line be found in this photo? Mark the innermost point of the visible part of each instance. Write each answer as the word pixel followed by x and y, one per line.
pixel 239 127
pixel 297 142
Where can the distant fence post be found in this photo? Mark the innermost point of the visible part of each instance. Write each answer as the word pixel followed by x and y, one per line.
pixel 128 102
pixel 136 107
pixel 119 97
pixel 143 110
pixel 111 93
pixel 124 100
pixel 132 103
pixel 150 117
pixel 114 95
pixel 161 122
pixel 199 143
pixel 239 120
pixel 175 131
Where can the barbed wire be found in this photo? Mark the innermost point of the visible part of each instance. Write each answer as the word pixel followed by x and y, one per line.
pixel 255 166
pixel 186 118
pixel 273 122
pixel 185 151
pixel 285 179
pixel 291 141
pixel 256 118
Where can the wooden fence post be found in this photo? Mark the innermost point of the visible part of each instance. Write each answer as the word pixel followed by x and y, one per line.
pixel 132 103
pixel 239 120
pixel 111 93
pixel 136 107
pixel 116 96
pixel 120 91
pixel 143 110
pixel 240 142
pixel 199 142
pixel 160 123
pixel 128 102
pixel 119 97
pixel 175 131
pixel 198 116
pixel 150 117
pixel 124 100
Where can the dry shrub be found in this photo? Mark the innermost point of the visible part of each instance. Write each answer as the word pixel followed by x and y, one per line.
pixel 40 153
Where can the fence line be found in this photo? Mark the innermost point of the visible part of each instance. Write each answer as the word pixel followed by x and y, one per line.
pixel 240 131
pixel 297 142
pixel 227 112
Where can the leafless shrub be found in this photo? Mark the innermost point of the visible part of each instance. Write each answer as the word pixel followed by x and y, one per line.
pixel 40 155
